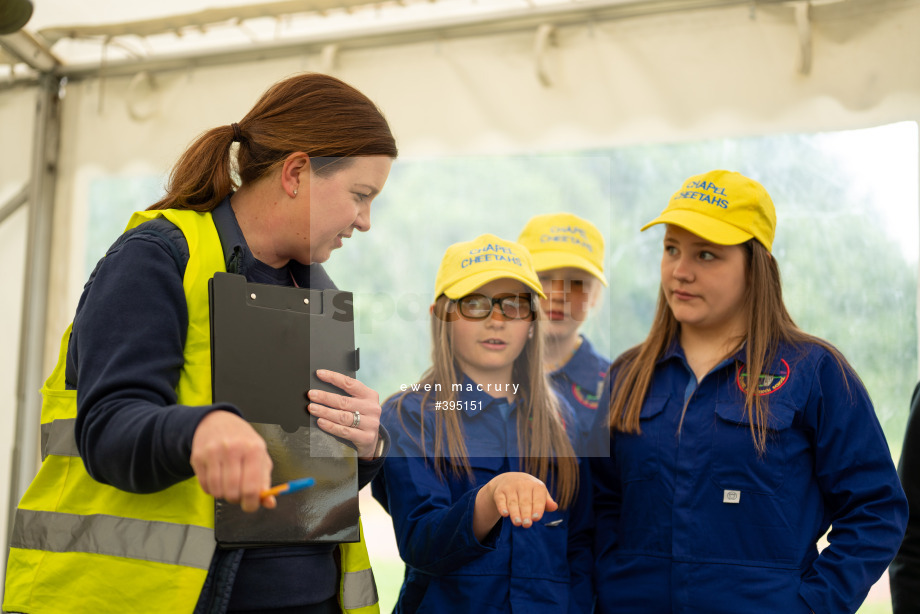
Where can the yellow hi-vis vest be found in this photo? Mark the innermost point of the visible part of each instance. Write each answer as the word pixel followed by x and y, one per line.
pixel 81 546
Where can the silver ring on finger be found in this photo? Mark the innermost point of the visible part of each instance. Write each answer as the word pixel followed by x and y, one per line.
pixel 357 420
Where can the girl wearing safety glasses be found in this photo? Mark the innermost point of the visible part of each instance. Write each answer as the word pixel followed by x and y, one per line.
pixel 481 481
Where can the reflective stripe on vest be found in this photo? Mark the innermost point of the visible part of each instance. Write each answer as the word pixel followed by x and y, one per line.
pixel 58 438
pixel 162 542
pixel 358 591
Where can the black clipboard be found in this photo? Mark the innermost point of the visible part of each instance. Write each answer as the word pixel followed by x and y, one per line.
pixel 266 344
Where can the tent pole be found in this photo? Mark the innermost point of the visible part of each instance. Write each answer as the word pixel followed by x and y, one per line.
pixel 46 137
pixel 12 205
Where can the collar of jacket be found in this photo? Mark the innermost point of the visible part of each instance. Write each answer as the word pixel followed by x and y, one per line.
pixel 239 258
pixel 778 364
pixel 473 395
pixel 584 367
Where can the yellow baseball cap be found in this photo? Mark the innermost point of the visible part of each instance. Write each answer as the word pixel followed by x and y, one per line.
pixel 557 240
pixel 472 264
pixel 723 207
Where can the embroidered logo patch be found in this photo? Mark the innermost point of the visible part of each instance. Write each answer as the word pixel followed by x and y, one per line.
pixel 584 397
pixel 768 383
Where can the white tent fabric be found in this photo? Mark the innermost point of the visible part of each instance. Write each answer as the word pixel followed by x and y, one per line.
pixel 713 72
pixel 16 118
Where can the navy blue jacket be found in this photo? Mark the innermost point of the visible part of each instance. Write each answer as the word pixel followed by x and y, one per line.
pixel 693 520
pixel 580 382
pixel 125 353
pixel 542 569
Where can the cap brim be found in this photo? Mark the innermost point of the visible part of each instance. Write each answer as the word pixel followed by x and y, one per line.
pixel 711 229
pixel 548 260
pixel 468 284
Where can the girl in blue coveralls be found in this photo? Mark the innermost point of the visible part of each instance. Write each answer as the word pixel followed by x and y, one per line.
pixel 736 440
pixel 481 480
pixel 568 256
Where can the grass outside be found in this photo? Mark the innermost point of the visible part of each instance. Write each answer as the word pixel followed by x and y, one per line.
pixel 389 576
pixel 879 599
pixel 875 608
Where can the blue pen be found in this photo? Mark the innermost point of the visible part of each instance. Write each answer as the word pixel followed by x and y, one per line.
pixel 288 487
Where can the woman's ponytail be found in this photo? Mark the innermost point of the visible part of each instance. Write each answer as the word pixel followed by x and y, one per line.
pixel 312 113
pixel 201 178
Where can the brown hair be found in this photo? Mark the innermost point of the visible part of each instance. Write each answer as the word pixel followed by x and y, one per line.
pixel 768 324
pixel 313 113
pixel 545 448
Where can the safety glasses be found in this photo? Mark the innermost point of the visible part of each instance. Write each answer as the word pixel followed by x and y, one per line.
pixel 511 306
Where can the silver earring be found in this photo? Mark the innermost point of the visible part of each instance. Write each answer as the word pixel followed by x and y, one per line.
pixel 295 191
pixel 530 333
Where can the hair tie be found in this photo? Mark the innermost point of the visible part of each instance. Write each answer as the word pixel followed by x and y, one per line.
pixel 237 133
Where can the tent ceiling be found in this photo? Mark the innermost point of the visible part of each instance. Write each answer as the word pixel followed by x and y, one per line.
pixel 80 38
pixel 175 23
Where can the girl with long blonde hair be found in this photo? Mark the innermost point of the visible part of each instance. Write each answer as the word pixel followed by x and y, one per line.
pixel 481 481
pixel 736 439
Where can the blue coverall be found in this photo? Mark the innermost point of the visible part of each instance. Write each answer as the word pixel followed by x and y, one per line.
pixel 542 569
pixel 691 519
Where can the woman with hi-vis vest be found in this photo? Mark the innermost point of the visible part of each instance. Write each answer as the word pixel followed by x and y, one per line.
pixel 120 517
pixel 736 439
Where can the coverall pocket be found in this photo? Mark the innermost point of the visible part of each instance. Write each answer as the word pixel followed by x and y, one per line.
pixel 637 454
pixel 736 463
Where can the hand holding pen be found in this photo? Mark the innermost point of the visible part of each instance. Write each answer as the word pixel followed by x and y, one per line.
pixel 231 461
pixel 288 487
